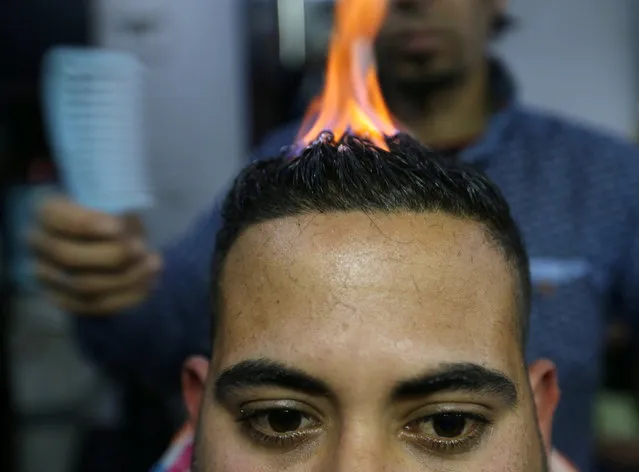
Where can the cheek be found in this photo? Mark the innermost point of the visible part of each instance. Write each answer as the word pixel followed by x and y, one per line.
pixel 236 463
pixel 221 452
pixel 222 448
pixel 514 448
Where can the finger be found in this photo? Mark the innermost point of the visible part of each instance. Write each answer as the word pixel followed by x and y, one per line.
pixel 102 306
pixel 74 255
pixel 96 284
pixel 60 215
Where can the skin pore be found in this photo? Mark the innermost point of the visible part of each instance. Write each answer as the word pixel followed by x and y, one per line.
pixel 354 342
pixel 433 68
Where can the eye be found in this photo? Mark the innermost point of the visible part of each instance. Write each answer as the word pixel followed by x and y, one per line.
pixel 448 432
pixel 449 425
pixel 280 421
pixel 279 426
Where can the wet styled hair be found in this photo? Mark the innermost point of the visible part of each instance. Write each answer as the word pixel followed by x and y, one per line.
pixel 353 175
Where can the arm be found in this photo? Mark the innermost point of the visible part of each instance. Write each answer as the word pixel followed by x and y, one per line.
pixel 152 340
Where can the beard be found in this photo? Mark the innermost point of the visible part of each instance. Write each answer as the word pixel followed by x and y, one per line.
pixel 420 74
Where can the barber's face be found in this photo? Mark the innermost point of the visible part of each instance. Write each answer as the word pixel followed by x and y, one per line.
pixel 354 342
pixel 431 42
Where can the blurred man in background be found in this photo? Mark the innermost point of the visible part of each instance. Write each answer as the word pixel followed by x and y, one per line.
pixel 573 191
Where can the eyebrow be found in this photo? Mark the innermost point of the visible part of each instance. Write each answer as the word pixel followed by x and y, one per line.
pixel 464 377
pixel 467 377
pixel 266 373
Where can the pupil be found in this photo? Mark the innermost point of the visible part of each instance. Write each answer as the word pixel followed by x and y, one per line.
pixel 284 421
pixel 449 425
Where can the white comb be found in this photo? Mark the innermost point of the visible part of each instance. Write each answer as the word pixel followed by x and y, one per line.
pixel 94 114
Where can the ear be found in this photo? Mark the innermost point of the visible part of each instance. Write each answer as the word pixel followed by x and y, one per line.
pixel 545 390
pixel 194 374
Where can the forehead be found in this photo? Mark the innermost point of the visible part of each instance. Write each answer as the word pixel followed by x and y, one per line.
pixel 402 291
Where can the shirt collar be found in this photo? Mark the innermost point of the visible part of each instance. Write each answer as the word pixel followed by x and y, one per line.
pixel 503 93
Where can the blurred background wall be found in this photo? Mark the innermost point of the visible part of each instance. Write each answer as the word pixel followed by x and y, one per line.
pixel 578 57
pixel 196 109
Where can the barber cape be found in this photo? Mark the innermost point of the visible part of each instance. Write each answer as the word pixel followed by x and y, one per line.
pixel 178 457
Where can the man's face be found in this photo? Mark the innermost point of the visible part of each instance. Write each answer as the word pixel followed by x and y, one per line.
pixel 432 42
pixel 353 342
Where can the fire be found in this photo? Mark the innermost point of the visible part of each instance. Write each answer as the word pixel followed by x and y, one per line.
pixel 352 99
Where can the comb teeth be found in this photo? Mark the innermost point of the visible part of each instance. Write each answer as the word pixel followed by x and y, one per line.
pixel 93 108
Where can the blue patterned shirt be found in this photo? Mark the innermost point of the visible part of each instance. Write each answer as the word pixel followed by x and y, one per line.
pixel 574 192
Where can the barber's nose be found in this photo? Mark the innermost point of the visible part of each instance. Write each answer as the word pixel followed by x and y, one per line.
pixel 410 6
pixel 362 452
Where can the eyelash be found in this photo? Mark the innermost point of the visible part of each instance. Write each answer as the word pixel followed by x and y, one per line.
pixel 276 440
pixel 284 440
pixel 455 445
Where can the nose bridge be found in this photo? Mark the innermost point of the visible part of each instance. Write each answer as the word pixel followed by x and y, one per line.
pixel 363 447
pixel 411 9
pixel 412 3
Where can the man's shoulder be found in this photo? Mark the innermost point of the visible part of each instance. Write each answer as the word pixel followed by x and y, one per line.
pixel 574 139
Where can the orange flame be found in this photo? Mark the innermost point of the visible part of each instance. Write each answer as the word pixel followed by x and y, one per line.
pixel 352 99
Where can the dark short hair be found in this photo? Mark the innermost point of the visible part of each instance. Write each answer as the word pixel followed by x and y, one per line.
pixel 352 175
pixel 502 23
